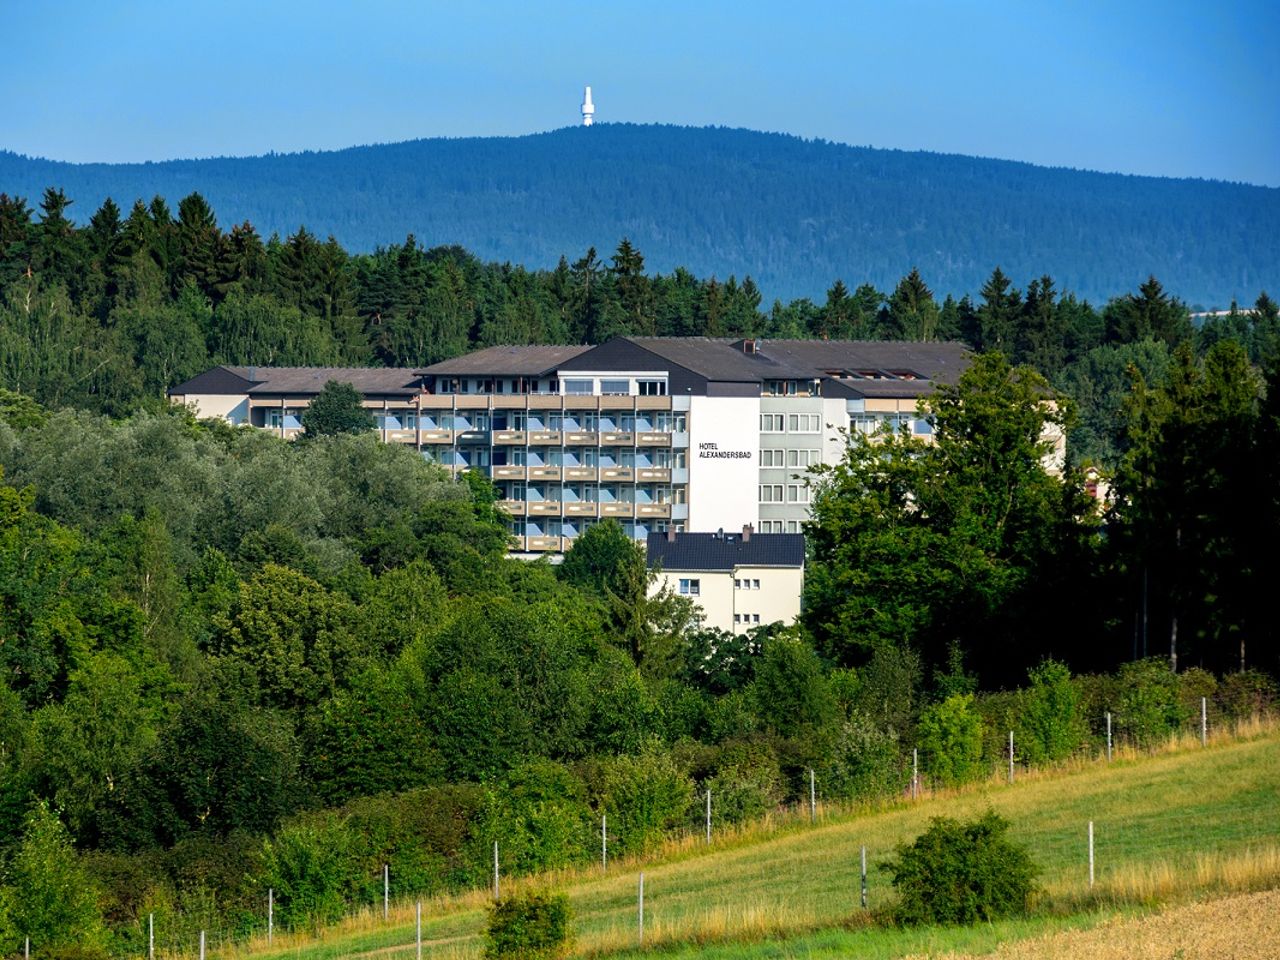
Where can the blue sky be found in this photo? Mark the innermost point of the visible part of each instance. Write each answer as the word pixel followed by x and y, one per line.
pixel 1169 88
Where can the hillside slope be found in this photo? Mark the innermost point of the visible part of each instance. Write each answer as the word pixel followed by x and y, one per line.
pixel 1188 824
pixel 794 214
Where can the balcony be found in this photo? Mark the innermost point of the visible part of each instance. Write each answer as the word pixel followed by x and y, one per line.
pixel 581 473
pixel 437 436
pixel 508 472
pixel 581 438
pixel 509 437
pixel 617 439
pixel 617 509
pixel 544 473
pixel 472 436
pixel 617 473
pixel 653 474
pixel 544 508
pixel 581 509
pixel 514 507
pixel 544 436
pixel 543 544
pixel 400 436
pixel 653 510
pixel 651 439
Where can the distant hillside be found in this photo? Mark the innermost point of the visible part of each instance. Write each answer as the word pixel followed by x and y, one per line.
pixel 793 214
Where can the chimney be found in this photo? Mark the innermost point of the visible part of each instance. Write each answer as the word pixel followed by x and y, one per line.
pixel 671 534
pixel 747 530
pixel 749 345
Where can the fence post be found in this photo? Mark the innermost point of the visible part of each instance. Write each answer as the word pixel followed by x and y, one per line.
pixel 201 945
pixel 1204 721
pixel 1091 854
pixel 813 797
pixel 1011 756
pixel 915 771
pixel 26 948
pixel 386 891
pixel 642 908
pixel 496 887
pixel 864 878
pixel 271 914
pixel 417 924
pixel 1108 736
pixel 604 843
pixel 151 936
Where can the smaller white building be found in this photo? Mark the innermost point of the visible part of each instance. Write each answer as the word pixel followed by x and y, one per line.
pixel 739 580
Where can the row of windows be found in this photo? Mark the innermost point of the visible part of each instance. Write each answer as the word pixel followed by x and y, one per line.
pixel 870 423
pixel 752 618
pixel 657 457
pixel 773 493
pixel 586 386
pixel 790 423
pixel 779 526
pixel 745 584
pixel 591 493
pixel 790 458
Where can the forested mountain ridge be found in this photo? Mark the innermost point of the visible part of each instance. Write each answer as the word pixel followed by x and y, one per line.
pixel 790 213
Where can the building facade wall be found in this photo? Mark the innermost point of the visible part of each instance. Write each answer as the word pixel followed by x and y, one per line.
pixel 740 599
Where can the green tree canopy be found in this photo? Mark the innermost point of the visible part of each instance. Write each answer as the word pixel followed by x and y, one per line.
pixel 337 408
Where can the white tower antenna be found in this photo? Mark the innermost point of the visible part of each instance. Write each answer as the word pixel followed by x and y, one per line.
pixel 588 109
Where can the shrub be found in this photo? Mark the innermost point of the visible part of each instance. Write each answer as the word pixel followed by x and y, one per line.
pixel 962 873
pixel 745 791
pixel 1243 694
pixel 1148 709
pixel 950 735
pixel 1050 725
pixel 310 866
pixel 539 815
pixel 529 926
pixel 863 762
pixel 644 796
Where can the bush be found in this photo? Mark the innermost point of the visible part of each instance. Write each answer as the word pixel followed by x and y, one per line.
pixel 792 693
pixel 863 762
pixel 1244 694
pixel 539 816
pixel 1148 709
pixel 1050 726
pixel 645 796
pixel 950 735
pixel 962 873
pixel 529 926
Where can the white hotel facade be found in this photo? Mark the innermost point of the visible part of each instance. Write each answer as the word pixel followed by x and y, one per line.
pixel 683 434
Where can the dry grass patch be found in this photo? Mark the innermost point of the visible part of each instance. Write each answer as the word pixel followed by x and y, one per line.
pixel 1242 927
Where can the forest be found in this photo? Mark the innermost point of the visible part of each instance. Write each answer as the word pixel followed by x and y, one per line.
pixel 230 663
pixel 792 213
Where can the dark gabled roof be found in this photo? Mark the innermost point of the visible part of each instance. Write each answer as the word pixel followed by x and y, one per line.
pixel 715 359
pixel 530 361
pixel 713 552
pixel 878 389
pixel 311 380
pixel 220 381
pixel 941 361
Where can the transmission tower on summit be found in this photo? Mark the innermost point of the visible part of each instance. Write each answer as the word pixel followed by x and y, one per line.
pixel 588 109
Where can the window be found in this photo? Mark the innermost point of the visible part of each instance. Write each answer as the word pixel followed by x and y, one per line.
pixel 804 423
pixel 793 526
pixel 770 526
pixel 922 428
pixel 487 386
pixel 755 618
pixel 797 493
pixel 755 584
pixel 690 588
pixel 737 584
pixel 802 458
pixel 771 458
pixel 771 493
pixel 780 388
pixel 652 388
pixel 737 618
pixel 771 423
pixel 583 387
pixel 621 387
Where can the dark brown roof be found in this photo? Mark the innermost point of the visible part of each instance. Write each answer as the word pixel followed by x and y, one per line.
pixel 220 381
pixel 528 361
pixel 311 380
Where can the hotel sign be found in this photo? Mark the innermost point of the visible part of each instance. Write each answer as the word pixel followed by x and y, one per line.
pixel 712 451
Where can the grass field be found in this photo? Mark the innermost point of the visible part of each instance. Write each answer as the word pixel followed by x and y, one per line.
pixel 1186 824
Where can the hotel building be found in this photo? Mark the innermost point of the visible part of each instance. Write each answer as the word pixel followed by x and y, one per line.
pixel 662 434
